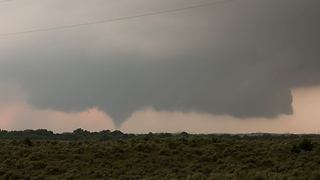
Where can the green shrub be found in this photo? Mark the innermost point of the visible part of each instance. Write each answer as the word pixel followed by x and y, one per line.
pixel 197 176
pixel 306 145
pixel 162 157
pixel 295 149
pixel 27 142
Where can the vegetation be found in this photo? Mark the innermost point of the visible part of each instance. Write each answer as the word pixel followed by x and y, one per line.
pixel 42 154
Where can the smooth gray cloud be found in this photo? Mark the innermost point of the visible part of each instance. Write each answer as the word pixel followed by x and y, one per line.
pixel 239 59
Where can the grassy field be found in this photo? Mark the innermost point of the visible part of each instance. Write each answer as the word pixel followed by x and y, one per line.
pixel 162 156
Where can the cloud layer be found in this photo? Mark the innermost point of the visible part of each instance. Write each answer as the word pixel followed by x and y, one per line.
pixel 304 120
pixel 240 59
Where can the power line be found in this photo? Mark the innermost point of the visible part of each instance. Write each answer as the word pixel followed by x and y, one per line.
pixel 4 1
pixel 113 19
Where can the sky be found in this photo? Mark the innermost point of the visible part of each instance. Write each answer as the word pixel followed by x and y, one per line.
pixel 231 67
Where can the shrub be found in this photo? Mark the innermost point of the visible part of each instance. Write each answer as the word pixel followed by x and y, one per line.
pixel 295 149
pixel 258 177
pixel 196 176
pixel 315 176
pixel 27 142
pixel 306 145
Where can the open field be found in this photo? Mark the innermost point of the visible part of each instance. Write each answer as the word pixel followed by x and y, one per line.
pixel 113 155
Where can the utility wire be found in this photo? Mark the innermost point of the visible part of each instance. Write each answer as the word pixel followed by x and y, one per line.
pixel 113 19
pixel 4 1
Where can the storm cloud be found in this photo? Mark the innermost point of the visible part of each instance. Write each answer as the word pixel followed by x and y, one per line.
pixel 241 58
